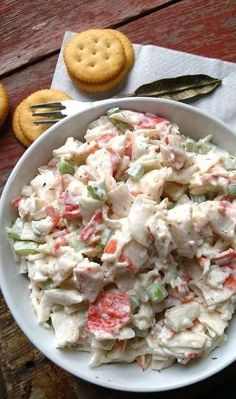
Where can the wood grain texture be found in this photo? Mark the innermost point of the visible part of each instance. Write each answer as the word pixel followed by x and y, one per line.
pixel 20 85
pixel 206 28
pixel 32 29
pixel 25 369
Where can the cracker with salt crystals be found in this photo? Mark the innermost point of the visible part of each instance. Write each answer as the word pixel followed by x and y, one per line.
pixel 94 56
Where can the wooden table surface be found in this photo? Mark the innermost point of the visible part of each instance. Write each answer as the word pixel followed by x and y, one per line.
pixel 31 33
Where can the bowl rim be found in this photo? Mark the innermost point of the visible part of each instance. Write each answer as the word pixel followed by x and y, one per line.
pixel 7 297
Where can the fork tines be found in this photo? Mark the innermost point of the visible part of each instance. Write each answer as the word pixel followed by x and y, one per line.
pixel 54 112
pixel 57 105
pixel 47 121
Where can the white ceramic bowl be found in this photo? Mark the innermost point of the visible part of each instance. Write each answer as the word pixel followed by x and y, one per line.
pixel 15 287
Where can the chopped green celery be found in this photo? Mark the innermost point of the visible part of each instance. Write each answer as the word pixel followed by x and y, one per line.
pixel 76 243
pixel 97 190
pixel 191 145
pixel 229 163
pixel 200 147
pixel 25 248
pixel 204 148
pixel 151 163
pixel 105 237
pixel 112 111
pixel 136 171
pixel 119 124
pixel 65 168
pixel 28 233
pixel 134 303
pixel 34 225
pixel 16 230
pixel 48 284
pixel 232 189
pixel 198 198
pixel 157 292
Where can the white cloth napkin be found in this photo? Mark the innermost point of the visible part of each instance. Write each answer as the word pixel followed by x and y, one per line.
pixel 152 63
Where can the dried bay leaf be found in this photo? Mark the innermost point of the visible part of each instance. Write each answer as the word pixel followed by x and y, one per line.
pixel 179 88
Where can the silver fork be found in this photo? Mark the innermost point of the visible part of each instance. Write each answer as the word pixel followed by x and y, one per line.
pixel 56 111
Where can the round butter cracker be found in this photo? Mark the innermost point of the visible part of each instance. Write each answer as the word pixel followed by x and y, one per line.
pixel 17 129
pixel 100 87
pixel 26 120
pixel 128 47
pixel 94 56
pixel 4 104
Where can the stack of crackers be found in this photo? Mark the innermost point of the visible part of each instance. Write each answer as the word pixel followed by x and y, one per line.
pixel 96 61
pixel 23 122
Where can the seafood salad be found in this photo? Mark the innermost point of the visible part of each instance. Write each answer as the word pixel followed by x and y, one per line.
pixel 128 241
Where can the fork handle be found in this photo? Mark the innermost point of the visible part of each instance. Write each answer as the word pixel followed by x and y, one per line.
pixel 73 106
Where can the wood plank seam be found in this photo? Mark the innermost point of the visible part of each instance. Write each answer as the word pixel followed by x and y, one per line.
pixel 145 13
pixel 48 54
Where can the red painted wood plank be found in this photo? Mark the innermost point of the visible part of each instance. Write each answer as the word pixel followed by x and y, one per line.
pixel 202 27
pixel 24 368
pixel 30 30
pixel 19 86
